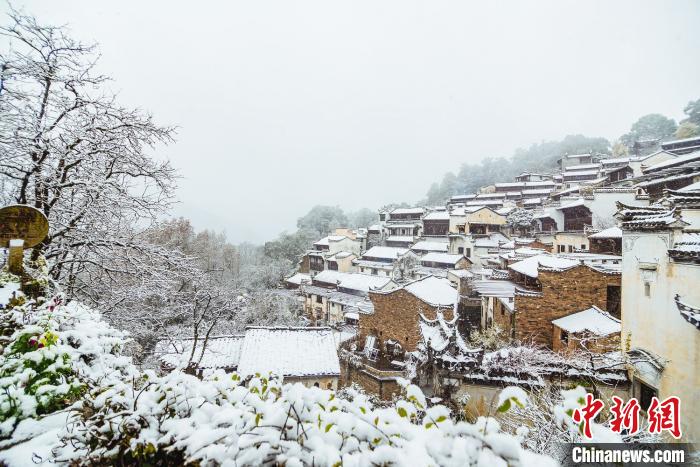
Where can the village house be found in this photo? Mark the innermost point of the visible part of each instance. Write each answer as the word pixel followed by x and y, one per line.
pixel 661 301
pixel 550 287
pixel 380 260
pixel 672 174
pixel 682 146
pixel 479 220
pixel 436 224
pixel 444 261
pixel 295 280
pixel 307 355
pixel 430 246
pixel 532 177
pixel 574 160
pixel 220 353
pixel 592 329
pixel 406 214
pixel 332 295
pixel 334 252
pixel 301 355
pixel 393 329
pixel 607 241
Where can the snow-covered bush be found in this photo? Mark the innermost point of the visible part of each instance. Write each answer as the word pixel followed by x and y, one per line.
pixel 52 354
pixel 223 420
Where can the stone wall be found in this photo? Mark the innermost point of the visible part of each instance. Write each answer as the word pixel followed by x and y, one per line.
pixel 563 293
pixel 382 384
pixel 396 317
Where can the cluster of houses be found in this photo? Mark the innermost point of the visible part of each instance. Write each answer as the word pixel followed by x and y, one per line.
pixel 585 276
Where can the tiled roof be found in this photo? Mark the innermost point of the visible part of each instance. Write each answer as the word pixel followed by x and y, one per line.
pixel 689 313
pixel 289 351
pixel 647 217
pixel 687 247
pixel 220 352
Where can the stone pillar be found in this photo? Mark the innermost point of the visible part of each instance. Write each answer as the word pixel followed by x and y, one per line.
pixel 15 260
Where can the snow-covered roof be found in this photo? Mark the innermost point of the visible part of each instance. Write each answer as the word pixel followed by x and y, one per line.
pixel 492 241
pixel 352 281
pixel 330 238
pixel 530 266
pixel 444 258
pixel 328 276
pixel 357 303
pixel 533 201
pixel 621 160
pixel 309 351
pixel 298 278
pixel 400 238
pixel 407 211
pixel 573 204
pixel 680 160
pixel 687 246
pixel 434 291
pixel 578 168
pixel 437 216
pixel 425 245
pixel 493 288
pixel 611 232
pixel 385 252
pixel 464 210
pixel 219 352
pixel 375 228
pixel 581 173
pixel 537 191
pixel 593 320
pixel 362 282
pixel 485 202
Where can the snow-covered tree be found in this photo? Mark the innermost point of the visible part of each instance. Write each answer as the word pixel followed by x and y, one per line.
pixel 68 148
pixel 521 220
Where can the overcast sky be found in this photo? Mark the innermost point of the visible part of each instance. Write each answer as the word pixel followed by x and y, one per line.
pixel 282 105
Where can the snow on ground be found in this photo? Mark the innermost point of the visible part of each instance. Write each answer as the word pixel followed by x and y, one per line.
pixel 6 292
pixel 40 436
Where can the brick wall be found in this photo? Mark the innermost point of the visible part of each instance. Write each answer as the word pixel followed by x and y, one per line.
pixel 502 318
pixel 396 316
pixel 563 293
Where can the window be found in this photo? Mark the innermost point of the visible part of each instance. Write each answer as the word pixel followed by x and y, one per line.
pixel 647 289
pixel 583 247
pixel 374 272
pixel 469 252
pixel 571 248
pixel 460 250
pixel 319 299
pixel 564 337
pixel 645 393
pixel 562 248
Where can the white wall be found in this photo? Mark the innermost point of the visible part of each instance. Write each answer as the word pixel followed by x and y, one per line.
pixel 654 323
